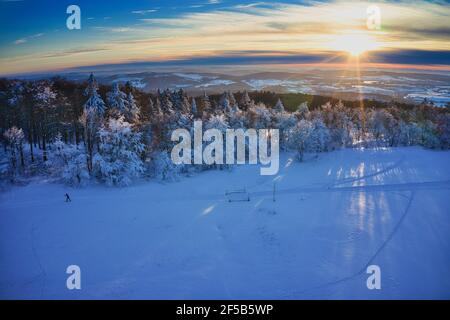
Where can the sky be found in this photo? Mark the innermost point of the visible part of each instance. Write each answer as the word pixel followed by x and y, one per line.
pixel 35 38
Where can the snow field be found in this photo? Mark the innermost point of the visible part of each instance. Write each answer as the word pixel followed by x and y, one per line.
pixel 331 217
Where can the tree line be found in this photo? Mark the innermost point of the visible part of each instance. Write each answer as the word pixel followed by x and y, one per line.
pixel 114 134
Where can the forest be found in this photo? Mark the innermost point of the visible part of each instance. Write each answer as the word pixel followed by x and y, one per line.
pixel 79 132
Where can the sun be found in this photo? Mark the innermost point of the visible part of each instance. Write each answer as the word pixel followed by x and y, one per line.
pixel 354 44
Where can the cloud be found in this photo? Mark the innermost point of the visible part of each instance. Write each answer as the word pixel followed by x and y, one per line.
pixel 441 57
pixel 266 57
pixel 74 51
pixel 36 35
pixel 143 12
pixel 24 40
pixel 20 41
pixel 118 29
pixel 250 5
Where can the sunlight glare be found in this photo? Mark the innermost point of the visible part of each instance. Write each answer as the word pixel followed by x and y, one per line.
pixel 354 43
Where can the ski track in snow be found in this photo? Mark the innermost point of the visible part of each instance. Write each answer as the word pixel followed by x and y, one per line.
pixel 293 295
pixel 428 185
pixel 364 177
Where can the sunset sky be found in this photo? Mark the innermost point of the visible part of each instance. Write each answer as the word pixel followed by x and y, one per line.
pixel 34 36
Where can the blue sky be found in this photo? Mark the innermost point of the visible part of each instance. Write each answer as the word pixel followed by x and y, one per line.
pixel 22 18
pixel 34 36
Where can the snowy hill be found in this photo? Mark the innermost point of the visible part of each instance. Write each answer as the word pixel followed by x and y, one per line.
pixel 331 218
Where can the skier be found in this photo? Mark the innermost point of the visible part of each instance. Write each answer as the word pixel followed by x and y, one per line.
pixel 68 198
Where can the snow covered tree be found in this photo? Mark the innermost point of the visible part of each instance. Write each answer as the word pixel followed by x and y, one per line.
pixel 194 110
pixel 116 99
pixel 166 102
pixel 157 108
pixel 319 138
pixel 45 101
pixel 17 108
pixel 132 110
pixel 60 151
pixel 429 137
pixel 75 172
pixel 408 134
pixel 245 102
pixel 279 107
pixel 309 136
pixel 231 98
pixel 260 117
pixel 118 160
pixel 151 107
pixel 94 101
pixel 162 168
pixel 284 121
pixel 338 122
pixel 180 101
pixel 222 99
pixel 226 105
pixel 148 139
pixel 302 111
pixel 71 163
pixel 235 108
pixel 380 124
pixel 217 122
pixel 226 101
pixel 168 123
pixel 236 118
pixel 443 129
pixel 206 106
pixel 90 121
pixel 299 137
pixel 14 138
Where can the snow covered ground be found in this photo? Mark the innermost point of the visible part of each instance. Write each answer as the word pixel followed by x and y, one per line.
pixel 332 216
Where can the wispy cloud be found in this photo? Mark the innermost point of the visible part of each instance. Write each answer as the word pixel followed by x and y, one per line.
pixel 143 12
pixel 249 5
pixel 26 39
pixel 20 41
pixel 70 52
pixel 118 29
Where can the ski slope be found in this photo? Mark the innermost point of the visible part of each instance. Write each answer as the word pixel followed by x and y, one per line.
pixel 331 217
